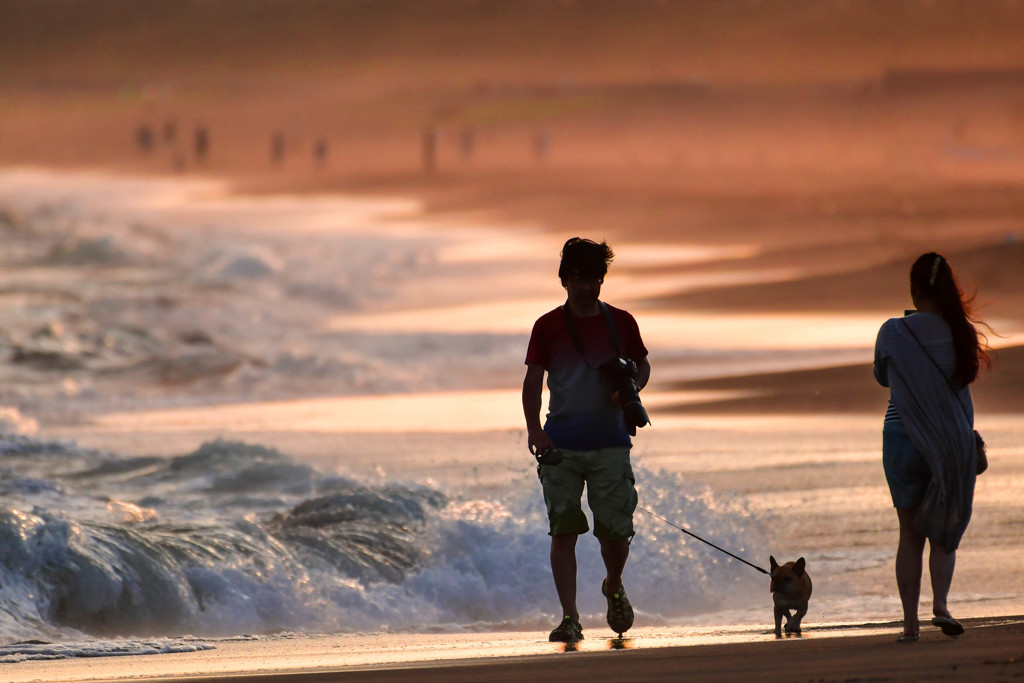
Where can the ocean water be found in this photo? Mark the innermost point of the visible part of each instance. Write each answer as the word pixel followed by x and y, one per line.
pixel 105 553
pixel 237 538
pixel 300 415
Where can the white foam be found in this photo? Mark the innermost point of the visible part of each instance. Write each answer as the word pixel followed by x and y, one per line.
pixel 237 539
pixel 12 421
pixel 37 650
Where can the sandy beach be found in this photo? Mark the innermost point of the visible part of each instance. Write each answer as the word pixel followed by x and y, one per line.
pixel 327 228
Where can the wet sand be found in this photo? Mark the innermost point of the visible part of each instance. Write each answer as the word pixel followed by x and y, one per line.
pixel 989 650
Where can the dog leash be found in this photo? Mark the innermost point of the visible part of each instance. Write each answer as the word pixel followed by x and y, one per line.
pixel 735 557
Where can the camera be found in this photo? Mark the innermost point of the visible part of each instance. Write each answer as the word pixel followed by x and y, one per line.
pixel 549 456
pixel 621 372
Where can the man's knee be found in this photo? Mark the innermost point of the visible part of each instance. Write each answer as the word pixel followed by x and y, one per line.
pixel 564 541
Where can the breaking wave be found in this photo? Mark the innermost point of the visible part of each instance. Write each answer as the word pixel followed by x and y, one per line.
pixel 238 538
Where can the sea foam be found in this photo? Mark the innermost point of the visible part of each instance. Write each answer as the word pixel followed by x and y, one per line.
pixel 238 538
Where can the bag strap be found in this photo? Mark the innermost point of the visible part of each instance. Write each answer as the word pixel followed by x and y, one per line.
pixel 956 394
pixel 575 336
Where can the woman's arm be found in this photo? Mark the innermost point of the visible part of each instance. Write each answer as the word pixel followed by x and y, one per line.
pixel 880 369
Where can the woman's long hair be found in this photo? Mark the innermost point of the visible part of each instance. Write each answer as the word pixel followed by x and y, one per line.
pixel 932 276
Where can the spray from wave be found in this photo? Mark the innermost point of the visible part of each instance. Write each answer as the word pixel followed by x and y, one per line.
pixel 238 538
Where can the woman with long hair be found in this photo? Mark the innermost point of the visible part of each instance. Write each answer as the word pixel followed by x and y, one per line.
pixel 928 359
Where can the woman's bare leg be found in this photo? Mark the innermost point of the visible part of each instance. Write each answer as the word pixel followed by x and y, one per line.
pixel 909 567
pixel 941 565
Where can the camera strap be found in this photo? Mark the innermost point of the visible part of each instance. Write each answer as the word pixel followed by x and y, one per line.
pixel 570 326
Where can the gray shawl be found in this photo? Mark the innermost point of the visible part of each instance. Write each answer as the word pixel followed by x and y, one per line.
pixel 938 426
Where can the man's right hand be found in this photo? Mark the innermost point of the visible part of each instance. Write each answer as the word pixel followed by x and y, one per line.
pixel 539 441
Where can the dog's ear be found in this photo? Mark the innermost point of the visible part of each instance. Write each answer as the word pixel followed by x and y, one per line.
pixel 774 564
pixel 798 568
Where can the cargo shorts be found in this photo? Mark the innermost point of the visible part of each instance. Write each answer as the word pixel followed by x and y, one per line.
pixel 611 493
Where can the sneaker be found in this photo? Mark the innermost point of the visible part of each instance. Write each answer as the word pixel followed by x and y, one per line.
pixel 569 631
pixel 620 612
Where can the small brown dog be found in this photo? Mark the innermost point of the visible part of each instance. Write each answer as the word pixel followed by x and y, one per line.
pixel 791 590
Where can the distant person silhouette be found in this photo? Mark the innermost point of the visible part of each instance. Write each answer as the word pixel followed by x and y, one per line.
pixel 467 141
pixel 144 138
pixel 429 150
pixel 201 142
pixel 170 131
pixel 320 152
pixel 277 148
pixel 541 145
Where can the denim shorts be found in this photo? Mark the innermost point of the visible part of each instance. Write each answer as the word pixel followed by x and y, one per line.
pixel 906 469
pixel 611 493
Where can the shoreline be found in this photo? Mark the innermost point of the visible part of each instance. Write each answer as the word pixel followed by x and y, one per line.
pixel 988 650
pixel 820 386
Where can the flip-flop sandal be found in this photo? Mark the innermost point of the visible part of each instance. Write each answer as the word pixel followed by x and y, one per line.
pixel 950 626
pixel 907 638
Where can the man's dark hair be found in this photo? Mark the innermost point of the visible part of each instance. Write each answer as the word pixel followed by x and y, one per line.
pixel 585 258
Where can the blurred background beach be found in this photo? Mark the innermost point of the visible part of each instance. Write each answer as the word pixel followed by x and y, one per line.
pixel 268 270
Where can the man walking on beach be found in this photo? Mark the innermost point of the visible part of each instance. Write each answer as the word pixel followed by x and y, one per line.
pixel 583 346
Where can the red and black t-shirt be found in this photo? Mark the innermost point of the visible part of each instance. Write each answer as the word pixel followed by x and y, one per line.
pixel 581 415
